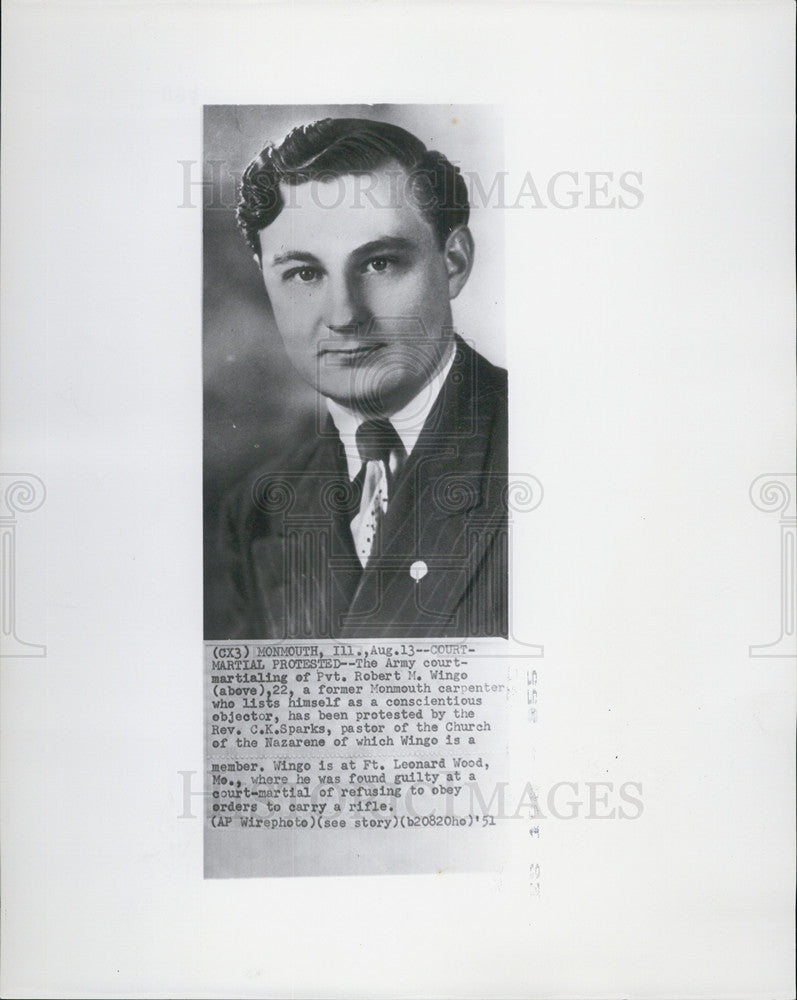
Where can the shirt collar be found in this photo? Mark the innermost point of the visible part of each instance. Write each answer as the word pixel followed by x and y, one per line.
pixel 408 421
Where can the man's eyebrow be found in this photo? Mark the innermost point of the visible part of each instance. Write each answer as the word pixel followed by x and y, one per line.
pixel 383 244
pixel 297 255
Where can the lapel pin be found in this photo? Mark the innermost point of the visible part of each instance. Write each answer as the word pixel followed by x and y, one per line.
pixel 418 570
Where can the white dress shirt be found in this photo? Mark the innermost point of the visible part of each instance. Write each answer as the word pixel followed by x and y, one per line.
pixel 408 423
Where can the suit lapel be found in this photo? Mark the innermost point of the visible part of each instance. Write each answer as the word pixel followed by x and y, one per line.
pixel 442 520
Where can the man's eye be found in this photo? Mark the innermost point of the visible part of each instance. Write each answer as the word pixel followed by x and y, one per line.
pixel 303 274
pixel 379 264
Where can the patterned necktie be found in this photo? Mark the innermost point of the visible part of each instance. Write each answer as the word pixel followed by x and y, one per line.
pixel 376 441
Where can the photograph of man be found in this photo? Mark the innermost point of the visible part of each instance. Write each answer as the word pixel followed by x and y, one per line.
pixel 390 517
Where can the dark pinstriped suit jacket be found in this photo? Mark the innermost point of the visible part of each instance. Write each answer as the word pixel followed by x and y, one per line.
pixel 289 566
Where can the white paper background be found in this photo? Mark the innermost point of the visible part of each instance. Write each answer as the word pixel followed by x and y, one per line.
pixel 650 353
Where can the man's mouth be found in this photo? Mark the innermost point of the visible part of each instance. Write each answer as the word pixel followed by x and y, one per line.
pixel 348 352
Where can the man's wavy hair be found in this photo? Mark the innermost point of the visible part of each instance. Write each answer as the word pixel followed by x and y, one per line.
pixel 335 147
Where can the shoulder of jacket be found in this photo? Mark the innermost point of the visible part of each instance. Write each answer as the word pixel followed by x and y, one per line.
pixel 258 492
pixel 490 381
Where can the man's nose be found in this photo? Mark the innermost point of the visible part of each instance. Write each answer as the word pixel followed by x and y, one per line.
pixel 345 306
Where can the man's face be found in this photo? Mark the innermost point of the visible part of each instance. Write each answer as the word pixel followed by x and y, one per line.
pixel 360 288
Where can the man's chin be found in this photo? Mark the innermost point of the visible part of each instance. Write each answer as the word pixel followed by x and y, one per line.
pixel 380 399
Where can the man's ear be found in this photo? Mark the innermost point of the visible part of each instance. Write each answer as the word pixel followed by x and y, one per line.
pixel 458 253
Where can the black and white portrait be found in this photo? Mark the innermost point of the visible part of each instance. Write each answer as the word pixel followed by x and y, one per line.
pixel 355 402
